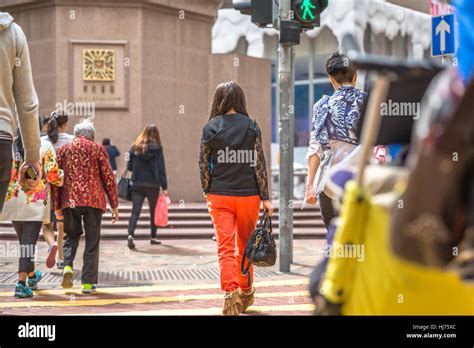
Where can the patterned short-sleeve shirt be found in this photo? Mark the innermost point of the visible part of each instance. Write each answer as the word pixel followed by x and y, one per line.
pixel 337 117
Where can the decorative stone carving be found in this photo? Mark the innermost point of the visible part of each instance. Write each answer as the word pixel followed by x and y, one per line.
pixel 99 64
pixel 100 73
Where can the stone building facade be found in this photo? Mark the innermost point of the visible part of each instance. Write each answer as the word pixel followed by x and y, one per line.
pixel 138 62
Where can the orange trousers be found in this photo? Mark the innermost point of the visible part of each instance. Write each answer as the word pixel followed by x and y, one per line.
pixel 235 219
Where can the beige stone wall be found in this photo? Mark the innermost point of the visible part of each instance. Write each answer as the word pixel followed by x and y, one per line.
pixel 52 29
pixel 171 76
pixel 104 24
pixel 39 26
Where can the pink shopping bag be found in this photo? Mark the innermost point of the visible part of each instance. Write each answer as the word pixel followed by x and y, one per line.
pixel 161 211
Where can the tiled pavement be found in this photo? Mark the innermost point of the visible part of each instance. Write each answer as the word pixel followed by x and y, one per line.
pixel 273 298
pixel 191 287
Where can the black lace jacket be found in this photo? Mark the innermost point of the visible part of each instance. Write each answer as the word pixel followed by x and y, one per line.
pixel 260 167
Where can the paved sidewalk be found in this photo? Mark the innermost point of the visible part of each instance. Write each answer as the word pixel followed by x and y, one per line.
pixel 177 278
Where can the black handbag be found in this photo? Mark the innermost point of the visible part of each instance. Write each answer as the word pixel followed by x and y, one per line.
pixel 261 248
pixel 125 186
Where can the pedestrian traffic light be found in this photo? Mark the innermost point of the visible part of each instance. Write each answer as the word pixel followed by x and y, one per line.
pixel 290 32
pixel 244 6
pixel 263 12
pixel 308 12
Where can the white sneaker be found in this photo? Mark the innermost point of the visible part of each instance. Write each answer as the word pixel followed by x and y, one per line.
pixel 53 249
pixel 131 244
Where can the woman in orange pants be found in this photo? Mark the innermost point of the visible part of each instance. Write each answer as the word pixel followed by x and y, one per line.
pixel 234 182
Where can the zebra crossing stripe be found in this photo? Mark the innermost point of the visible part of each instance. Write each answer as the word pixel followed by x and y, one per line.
pixel 139 300
pixel 213 311
pixel 152 288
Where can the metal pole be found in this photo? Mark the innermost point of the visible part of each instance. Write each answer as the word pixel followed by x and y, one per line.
pixel 277 99
pixel 291 149
pixel 311 81
pixel 372 126
pixel 311 60
pixel 286 111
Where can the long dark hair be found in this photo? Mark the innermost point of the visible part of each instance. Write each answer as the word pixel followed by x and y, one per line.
pixel 44 121
pixel 228 95
pixel 57 119
pixel 150 135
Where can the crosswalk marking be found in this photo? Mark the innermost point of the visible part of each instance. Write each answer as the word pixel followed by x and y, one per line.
pixel 137 300
pixel 152 288
pixel 213 311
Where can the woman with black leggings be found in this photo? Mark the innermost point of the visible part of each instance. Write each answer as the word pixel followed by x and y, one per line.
pixel 147 164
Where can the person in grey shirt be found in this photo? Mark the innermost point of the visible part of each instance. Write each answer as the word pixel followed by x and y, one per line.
pixel 57 136
pixel 18 99
pixel 56 133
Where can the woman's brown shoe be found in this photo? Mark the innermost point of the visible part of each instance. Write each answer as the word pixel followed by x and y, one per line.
pixel 247 297
pixel 233 303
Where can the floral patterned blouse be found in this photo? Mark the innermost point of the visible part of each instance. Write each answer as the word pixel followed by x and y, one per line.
pixel 88 176
pixel 33 205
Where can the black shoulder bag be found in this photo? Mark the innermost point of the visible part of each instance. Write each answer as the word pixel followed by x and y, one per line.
pixel 261 248
pixel 125 186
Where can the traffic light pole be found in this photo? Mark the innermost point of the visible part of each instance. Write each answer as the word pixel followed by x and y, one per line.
pixel 286 112
pixel 306 15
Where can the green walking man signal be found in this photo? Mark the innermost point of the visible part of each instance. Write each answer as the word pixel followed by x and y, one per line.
pixel 265 12
pixel 308 12
pixel 307 7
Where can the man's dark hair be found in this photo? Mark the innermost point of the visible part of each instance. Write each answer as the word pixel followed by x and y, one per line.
pixel 339 67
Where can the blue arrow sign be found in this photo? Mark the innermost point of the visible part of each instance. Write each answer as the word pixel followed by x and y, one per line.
pixel 442 35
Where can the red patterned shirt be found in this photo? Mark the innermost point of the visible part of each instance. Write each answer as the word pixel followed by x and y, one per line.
pixel 87 173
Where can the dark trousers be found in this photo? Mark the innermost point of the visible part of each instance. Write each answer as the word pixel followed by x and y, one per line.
pixel 28 233
pixel 5 168
pixel 138 197
pixel 74 221
pixel 327 210
pixel 327 213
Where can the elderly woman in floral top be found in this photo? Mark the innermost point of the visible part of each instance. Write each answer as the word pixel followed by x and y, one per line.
pixel 28 210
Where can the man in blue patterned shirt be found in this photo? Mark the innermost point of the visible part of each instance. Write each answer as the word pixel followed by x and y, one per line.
pixel 335 121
